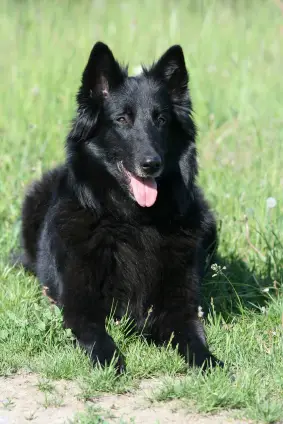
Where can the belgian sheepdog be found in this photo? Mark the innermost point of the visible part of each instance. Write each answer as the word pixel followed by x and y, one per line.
pixel 122 221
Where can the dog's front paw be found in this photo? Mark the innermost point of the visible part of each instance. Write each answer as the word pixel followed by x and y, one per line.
pixel 211 362
pixel 201 357
pixel 104 351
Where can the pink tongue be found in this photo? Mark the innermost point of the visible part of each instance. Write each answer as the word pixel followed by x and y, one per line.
pixel 144 189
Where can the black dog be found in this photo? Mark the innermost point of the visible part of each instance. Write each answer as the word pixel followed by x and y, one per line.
pixel 122 222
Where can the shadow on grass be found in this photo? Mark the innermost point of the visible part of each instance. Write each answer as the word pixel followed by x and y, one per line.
pixel 231 286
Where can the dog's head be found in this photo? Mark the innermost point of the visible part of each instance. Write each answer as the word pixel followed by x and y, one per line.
pixel 139 128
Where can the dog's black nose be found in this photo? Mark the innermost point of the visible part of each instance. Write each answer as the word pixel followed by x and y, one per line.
pixel 151 165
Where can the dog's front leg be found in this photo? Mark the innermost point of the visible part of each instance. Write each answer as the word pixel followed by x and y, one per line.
pixel 187 334
pixel 176 318
pixel 84 312
pixel 93 338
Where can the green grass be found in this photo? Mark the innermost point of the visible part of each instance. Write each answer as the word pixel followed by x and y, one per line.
pixel 95 415
pixel 234 54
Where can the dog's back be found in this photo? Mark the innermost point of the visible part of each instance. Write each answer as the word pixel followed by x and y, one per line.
pixel 36 203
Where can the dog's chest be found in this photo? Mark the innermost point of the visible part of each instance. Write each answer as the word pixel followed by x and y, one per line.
pixel 139 261
pixel 137 253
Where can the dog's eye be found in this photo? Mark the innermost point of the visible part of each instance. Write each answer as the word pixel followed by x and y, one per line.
pixel 122 120
pixel 161 120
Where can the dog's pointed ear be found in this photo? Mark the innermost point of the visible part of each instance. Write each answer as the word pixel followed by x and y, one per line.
pixel 171 69
pixel 102 72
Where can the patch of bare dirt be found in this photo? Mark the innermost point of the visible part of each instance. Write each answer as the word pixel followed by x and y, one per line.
pixel 26 398
pixel 142 409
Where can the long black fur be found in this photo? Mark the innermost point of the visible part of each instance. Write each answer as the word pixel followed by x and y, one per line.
pixel 88 240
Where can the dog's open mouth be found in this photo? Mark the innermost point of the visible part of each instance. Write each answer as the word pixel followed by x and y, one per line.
pixel 144 190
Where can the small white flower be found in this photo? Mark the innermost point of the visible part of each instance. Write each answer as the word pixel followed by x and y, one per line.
pixel 137 70
pixel 263 309
pixel 271 202
pixel 265 290
pixel 200 312
pixel 35 91
pixel 217 269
